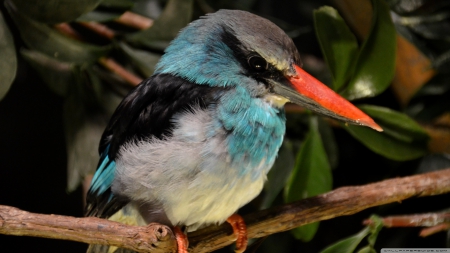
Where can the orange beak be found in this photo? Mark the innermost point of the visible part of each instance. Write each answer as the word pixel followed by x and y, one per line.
pixel 305 90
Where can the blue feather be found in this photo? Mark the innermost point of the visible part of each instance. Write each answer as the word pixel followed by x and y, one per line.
pixel 256 129
pixel 104 175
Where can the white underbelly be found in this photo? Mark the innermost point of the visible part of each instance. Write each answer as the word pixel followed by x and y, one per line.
pixel 189 176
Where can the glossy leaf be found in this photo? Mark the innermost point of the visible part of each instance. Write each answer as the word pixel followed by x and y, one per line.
pixel 311 176
pixel 329 143
pixel 145 61
pixel 55 11
pixel 339 45
pixel 57 75
pixel 8 59
pixel 348 244
pixel 44 39
pixel 176 15
pixel 386 145
pixel 401 140
pixel 396 124
pixel 375 65
pixel 279 174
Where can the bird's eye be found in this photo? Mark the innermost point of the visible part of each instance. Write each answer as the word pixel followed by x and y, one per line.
pixel 257 63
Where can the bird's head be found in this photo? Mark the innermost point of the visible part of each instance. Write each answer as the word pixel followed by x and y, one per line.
pixel 232 48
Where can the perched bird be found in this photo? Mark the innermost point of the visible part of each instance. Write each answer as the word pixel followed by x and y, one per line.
pixel 194 142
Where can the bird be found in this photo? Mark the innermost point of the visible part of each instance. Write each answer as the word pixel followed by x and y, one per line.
pixel 194 142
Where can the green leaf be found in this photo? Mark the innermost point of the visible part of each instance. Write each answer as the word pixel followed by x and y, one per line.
pixel 143 60
pixel 8 59
pixel 99 16
pixel 44 39
pixel 348 244
pixel 55 11
pixel 279 174
pixel 386 145
pixel 330 144
pixel 375 228
pixel 375 65
pixel 311 176
pixel 395 124
pixel 86 114
pixel 176 15
pixel 402 139
pixel 118 4
pixel 57 75
pixel 339 45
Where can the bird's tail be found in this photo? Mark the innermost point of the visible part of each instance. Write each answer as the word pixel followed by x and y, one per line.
pixel 127 215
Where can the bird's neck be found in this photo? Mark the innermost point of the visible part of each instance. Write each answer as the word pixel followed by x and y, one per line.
pixel 255 130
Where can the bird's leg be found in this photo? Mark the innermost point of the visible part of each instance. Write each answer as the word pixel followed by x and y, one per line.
pixel 182 240
pixel 240 230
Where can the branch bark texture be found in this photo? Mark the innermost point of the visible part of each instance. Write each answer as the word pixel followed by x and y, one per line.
pixel 159 238
pixel 91 230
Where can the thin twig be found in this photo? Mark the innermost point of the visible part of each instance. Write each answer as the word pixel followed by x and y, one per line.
pixel 414 220
pixel 100 29
pixel 342 201
pixel 67 30
pixel 120 71
pixel 134 20
pixel 435 229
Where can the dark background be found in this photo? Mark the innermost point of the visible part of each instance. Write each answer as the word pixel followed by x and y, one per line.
pixel 33 163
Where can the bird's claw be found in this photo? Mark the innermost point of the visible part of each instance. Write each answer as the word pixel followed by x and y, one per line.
pixel 240 230
pixel 182 240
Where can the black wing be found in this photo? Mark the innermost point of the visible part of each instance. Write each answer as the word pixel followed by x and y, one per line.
pixel 145 112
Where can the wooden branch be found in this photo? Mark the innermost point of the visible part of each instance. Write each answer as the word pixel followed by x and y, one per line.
pixel 340 202
pixel 154 237
pixel 158 238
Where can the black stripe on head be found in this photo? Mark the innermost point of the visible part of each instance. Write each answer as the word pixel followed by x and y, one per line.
pixel 243 54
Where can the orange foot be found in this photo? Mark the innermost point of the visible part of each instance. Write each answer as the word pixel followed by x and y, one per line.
pixel 240 230
pixel 182 241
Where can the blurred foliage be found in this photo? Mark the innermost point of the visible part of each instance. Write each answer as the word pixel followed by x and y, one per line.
pixel 311 176
pixel 8 64
pixel 67 42
pixel 349 244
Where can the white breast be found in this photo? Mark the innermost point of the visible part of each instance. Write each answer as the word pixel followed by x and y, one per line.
pixel 188 175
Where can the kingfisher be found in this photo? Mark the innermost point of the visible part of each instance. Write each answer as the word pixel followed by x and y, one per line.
pixel 194 142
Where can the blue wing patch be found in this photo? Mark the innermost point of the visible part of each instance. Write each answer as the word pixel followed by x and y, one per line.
pixel 101 202
pixel 104 175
